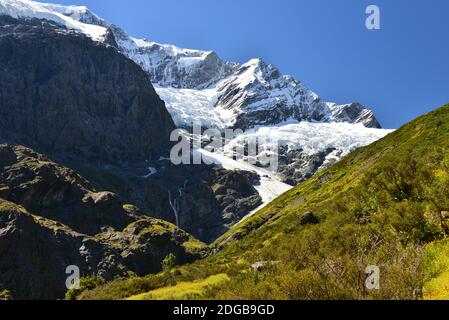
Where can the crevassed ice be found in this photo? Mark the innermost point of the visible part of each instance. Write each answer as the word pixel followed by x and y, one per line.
pixel 313 138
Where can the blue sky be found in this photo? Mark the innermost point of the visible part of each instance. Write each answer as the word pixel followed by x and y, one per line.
pixel 400 71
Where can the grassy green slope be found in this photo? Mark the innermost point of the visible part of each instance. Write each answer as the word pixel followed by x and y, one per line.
pixel 385 204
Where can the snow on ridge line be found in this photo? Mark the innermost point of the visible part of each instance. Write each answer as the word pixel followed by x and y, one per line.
pixel 30 9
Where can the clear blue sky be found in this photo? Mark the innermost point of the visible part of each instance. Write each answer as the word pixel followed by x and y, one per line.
pixel 400 71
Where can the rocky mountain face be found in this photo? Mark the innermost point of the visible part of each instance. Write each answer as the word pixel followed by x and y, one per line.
pixel 76 97
pixel 52 218
pixel 201 199
pixel 40 185
pixel 199 86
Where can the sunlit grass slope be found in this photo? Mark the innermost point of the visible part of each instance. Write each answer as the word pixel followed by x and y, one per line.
pixel 183 290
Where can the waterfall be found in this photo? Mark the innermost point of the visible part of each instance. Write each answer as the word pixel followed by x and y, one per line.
pixel 174 203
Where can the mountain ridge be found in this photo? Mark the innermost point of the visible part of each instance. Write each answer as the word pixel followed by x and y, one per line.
pixel 171 67
pixel 198 87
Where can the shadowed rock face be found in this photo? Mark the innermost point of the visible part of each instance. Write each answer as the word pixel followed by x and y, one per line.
pixel 58 193
pixel 36 252
pixel 51 218
pixel 203 200
pixel 61 93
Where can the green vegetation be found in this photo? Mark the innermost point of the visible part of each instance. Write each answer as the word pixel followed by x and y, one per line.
pixel 436 264
pixel 87 283
pixel 384 205
pixel 184 290
pixel 124 288
pixel 168 262
pixel 6 206
pixel 5 295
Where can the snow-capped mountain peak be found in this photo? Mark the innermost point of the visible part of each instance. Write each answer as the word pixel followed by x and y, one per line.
pixel 30 9
pixel 78 13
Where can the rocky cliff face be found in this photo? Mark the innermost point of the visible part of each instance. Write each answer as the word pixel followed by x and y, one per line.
pixel 63 93
pixel 259 95
pixel 78 100
pixel 57 193
pixel 200 199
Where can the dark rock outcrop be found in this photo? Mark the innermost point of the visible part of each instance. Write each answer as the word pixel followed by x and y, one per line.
pixel 297 166
pixel 35 254
pixel 52 218
pixel 308 218
pixel 235 192
pixel 56 192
